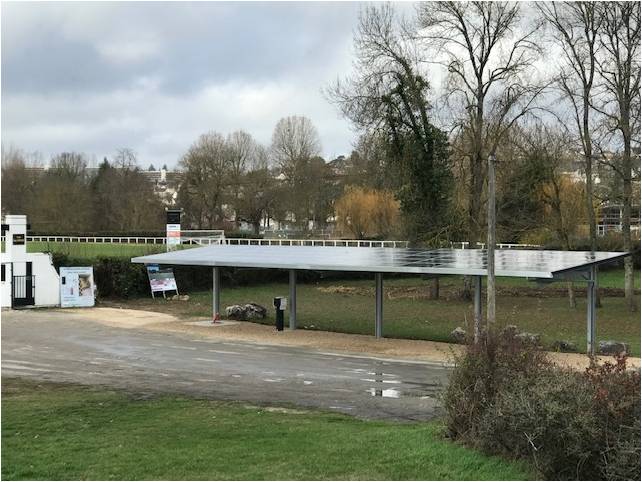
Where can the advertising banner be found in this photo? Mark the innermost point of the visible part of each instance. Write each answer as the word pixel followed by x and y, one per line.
pixel 161 279
pixel 77 288
pixel 173 236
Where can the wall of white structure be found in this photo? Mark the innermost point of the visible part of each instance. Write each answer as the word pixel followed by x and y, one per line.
pixel 15 258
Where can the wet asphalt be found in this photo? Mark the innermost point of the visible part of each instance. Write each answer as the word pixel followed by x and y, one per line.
pixel 53 346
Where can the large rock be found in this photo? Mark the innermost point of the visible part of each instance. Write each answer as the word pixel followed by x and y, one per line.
pixel 564 346
pixel 248 312
pixel 531 338
pixel 611 347
pixel 458 334
pixel 510 331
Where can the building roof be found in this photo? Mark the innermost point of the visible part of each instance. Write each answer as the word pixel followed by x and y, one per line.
pixel 508 262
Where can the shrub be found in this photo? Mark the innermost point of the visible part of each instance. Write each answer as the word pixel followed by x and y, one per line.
pixel 118 277
pixel 506 398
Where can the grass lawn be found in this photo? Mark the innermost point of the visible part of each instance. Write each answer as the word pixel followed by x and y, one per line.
pixel 94 250
pixel 421 318
pixel 69 432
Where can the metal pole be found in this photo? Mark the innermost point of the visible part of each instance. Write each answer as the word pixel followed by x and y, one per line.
pixel 378 304
pixel 590 312
pixel 478 307
pixel 216 293
pixel 292 299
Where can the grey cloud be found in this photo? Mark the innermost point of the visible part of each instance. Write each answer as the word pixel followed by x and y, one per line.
pixel 153 76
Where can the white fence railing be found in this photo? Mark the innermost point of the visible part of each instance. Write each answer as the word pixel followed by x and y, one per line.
pixel 97 239
pixel 464 245
pixel 357 243
pixel 209 240
pixel 205 241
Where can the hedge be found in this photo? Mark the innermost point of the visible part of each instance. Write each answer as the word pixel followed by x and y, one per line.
pixel 118 277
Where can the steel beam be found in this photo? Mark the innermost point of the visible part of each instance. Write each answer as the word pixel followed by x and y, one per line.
pixel 292 299
pixel 216 293
pixel 590 312
pixel 378 305
pixel 477 307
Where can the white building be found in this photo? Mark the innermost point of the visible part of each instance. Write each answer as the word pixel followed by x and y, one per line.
pixel 28 279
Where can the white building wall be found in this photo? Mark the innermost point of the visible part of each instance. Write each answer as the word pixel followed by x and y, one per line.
pixel 47 280
pixel 15 258
pixel 5 286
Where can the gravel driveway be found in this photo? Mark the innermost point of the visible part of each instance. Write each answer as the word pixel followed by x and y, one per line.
pixel 68 346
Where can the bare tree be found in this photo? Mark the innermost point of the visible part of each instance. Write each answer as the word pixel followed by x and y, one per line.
pixel 619 101
pixel 244 155
pixel 125 158
pixel 489 54
pixel 206 168
pixel 576 28
pixel 18 183
pixel 295 142
pixel 489 57
pixel 550 150
pixel 388 99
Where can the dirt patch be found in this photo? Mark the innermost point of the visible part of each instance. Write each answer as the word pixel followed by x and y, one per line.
pixel 448 293
pixel 346 290
pixel 121 317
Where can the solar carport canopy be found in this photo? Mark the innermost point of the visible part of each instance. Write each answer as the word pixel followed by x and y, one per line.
pixel 537 264
pixel 515 263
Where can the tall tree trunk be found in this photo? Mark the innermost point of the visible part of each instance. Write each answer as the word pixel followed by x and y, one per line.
pixel 626 221
pixel 474 216
pixel 588 160
pixel 490 246
pixel 433 288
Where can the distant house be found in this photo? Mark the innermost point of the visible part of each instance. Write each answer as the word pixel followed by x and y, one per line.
pixel 609 219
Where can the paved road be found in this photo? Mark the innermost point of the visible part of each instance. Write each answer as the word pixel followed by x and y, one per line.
pixel 50 345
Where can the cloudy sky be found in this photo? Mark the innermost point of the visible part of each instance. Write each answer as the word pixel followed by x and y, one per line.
pixel 93 77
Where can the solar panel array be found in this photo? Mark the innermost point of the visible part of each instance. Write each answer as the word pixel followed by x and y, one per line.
pixel 509 262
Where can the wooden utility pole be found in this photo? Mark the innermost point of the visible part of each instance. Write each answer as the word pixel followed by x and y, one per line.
pixel 490 248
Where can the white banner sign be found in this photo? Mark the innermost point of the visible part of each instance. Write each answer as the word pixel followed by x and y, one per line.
pixel 173 236
pixel 77 288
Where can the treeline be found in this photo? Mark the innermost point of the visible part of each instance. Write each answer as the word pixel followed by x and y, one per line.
pixel 67 198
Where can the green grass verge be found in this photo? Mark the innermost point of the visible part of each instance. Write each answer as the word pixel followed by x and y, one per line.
pixel 68 432
pixel 95 250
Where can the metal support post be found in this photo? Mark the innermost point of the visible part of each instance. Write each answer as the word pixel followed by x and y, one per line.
pixel 216 293
pixel 292 299
pixel 590 311
pixel 378 305
pixel 477 307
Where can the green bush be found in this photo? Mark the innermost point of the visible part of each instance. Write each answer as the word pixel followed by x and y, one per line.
pixel 118 277
pixel 506 398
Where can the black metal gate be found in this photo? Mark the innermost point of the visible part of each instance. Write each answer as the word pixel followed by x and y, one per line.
pixel 23 290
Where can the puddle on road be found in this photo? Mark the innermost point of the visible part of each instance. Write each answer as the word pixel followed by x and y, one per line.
pixel 406 389
pixel 387 392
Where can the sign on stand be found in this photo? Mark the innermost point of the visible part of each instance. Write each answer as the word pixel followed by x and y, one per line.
pixel 77 288
pixel 161 280
pixel 173 239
